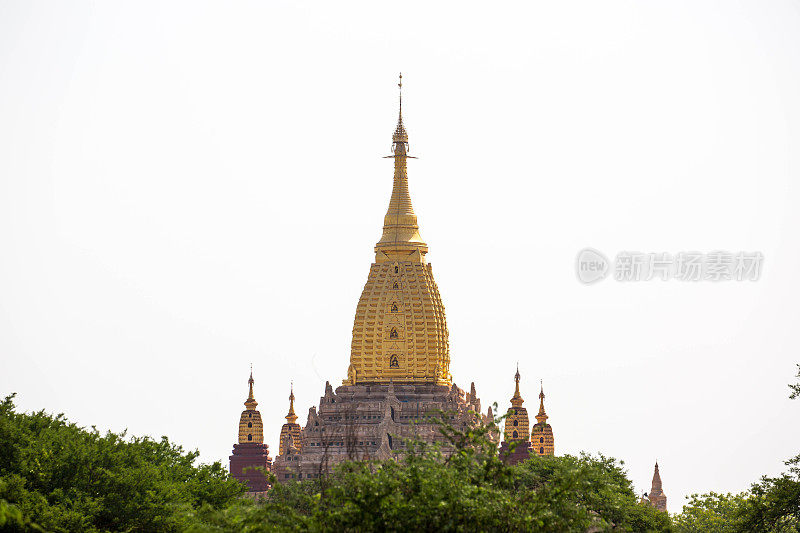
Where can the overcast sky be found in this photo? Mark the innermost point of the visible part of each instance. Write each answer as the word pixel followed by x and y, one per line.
pixel 186 188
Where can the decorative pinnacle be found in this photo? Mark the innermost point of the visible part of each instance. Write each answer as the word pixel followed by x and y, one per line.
pixel 291 417
pixel 400 135
pixel 251 402
pixel 542 416
pixel 517 400
pixel 400 229
pixel 400 86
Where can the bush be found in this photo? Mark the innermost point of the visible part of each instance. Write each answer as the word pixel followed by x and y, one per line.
pixel 67 478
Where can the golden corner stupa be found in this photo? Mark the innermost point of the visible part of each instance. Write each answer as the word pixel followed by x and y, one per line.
pixel 399 371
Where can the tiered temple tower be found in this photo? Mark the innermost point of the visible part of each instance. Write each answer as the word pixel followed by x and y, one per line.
pixel 290 431
pixel 516 445
pixel 250 461
pixel 657 498
pixel 399 370
pixel 542 433
pixel 290 444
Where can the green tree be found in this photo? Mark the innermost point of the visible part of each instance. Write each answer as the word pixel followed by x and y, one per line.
pixel 711 513
pixel 66 478
pixel 772 505
pixel 424 489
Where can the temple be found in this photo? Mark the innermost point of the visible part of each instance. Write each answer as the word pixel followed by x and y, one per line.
pixel 542 433
pixel 656 497
pixel 399 371
pixel 516 445
pixel 250 462
pixel 400 332
pixel 398 379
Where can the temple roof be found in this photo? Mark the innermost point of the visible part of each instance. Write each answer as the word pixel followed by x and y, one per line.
pixel 541 417
pixel 400 331
pixel 401 236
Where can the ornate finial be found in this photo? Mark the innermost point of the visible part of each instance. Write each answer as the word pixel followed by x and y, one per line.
pixel 542 416
pixel 401 236
pixel 400 86
pixel 251 402
pixel 291 417
pixel 400 137
pixel 517 400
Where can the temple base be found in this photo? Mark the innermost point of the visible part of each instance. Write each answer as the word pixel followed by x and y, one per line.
pixel 251 464
pixel 373 421
pixel 521 452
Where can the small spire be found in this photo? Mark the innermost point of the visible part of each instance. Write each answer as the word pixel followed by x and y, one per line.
pixel 656 487
pixel 251 402
pixel 400 86
pixel 400 229
pixel 542 417
pixel 291 417
pixel 517 400
pixel 400 137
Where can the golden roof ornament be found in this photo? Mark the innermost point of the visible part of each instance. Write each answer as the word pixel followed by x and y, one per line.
pixel 517 400
pixel 542 416
pixel 251 429
pixel 251 402
pixel 400 297
pixel 400 135
pixel 291 417
pixel 517 423
pixel 290 431
pixel 401 239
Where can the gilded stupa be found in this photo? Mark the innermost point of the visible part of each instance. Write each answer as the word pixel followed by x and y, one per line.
pixel 400 331
pixel 290 431
pixel 542 433
pixel 399 371
pixel 516 445
pixel 250 460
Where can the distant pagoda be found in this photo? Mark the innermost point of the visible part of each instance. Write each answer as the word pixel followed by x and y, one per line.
pixel 399 372
pixel 516 445
pixel 250 462
pixel 542 433
pixel 656 497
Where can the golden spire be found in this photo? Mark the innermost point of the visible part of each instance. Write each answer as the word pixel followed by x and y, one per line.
pixel 401 238
pixel 517 400
pixel 291 417
pixel 542 416
pixel 251 402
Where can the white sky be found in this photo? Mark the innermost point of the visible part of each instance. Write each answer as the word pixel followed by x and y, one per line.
pixel 186 188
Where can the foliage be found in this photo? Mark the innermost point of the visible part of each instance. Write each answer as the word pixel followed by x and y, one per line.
pixel 66 478
pixel 711 513
pixel 425 489
pixel 772 505
pixel 795 387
